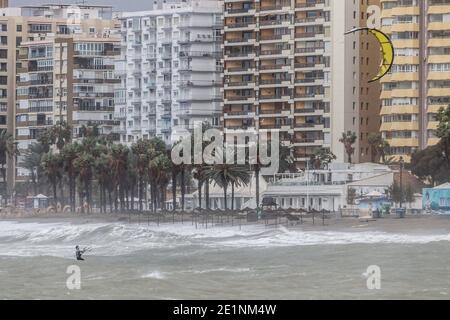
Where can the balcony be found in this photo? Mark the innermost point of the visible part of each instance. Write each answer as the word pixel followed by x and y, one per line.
pixel 239 10
pixel 306 5
pixel 272 7
pixel 271 52
pixel 309 50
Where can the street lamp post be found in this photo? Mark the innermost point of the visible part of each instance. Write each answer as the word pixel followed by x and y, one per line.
pixel 401 181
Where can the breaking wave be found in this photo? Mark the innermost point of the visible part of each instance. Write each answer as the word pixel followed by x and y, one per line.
pixel 112 239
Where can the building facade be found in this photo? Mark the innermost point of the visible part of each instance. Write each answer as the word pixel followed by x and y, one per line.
pixel 30 38
pixel 288 66
pixel 369 102
pixel 419 84
pixel 169 70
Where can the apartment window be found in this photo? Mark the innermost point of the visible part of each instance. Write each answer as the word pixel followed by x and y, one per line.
pixel 19 28
pixel 4 27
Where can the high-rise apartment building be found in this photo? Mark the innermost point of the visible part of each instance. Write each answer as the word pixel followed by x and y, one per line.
pixel 369 102
pixel 170 70
pixel 33 26
pixel 419 83
pixel 288 66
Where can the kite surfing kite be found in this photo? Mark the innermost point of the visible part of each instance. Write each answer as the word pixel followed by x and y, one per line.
pixel 386 49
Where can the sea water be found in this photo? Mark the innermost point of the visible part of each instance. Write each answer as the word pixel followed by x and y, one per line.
pixel 179 261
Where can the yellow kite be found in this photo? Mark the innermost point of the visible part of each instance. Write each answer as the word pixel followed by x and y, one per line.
pixel 386 49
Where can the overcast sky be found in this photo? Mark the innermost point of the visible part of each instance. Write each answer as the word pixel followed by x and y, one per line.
pixel 127 5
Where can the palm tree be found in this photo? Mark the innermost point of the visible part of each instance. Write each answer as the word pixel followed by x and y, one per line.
pixel 119 168
pixel 141 151
pixel 158 167
pixel 132 178
pixel 174 169
pixel 242 180
pixel 159 161
pixel 62 134
pixel 84 165
pixel 348 140
pixel 384 150
pixel 32 162
pixel 443 132
pixel 226 174
pixel 374 141
pixel 102 173
pixel 322 157
pixel 285 161
pixel 378 146
pixel 52 164
pixel 69 153
pixel 8 150
pixel 199 176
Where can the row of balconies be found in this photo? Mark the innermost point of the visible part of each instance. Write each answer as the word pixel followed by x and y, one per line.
pixel 273 51
pixel 272 37
pixel 270 6
pixel 34 123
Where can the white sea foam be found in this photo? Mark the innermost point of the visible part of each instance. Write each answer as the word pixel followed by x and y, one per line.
pixel 112 239
pixel 154 275
pixel 223 269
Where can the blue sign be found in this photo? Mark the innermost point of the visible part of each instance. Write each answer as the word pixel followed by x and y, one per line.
pixel 436 200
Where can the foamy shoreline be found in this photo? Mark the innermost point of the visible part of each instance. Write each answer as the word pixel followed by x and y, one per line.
pixel 417 224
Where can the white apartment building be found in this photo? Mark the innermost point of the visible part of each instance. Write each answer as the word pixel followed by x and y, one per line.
pixel 169 69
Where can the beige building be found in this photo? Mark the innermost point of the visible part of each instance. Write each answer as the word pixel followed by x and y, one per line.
pixel 34 23
pixel 419 84
pixel 369 93
pixel 288 66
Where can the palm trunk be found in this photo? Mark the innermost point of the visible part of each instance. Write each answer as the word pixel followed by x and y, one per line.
pixel 101 197
pixel 232 196
pixel 5 196
pixel 132 197
pixel 225 197
pixel 257 185
pixel 199 185
pixel 55 197
pixel 71 192
pixel 110 201
pixel 207 193
pixel 33 180
pixel 154 193
pixel 140 194
pixel 61 185
pixel 183 189
pixel 86 190
pixel 80 196
pixel 174 190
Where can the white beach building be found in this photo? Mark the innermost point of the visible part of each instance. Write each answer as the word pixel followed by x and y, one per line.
pixel 170 70
pixel 244 196
pixel 328 189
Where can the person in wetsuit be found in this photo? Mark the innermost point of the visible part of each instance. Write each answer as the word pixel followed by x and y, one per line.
pixel 79 253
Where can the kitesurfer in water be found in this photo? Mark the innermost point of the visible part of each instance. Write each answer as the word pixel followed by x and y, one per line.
pixel 79 253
